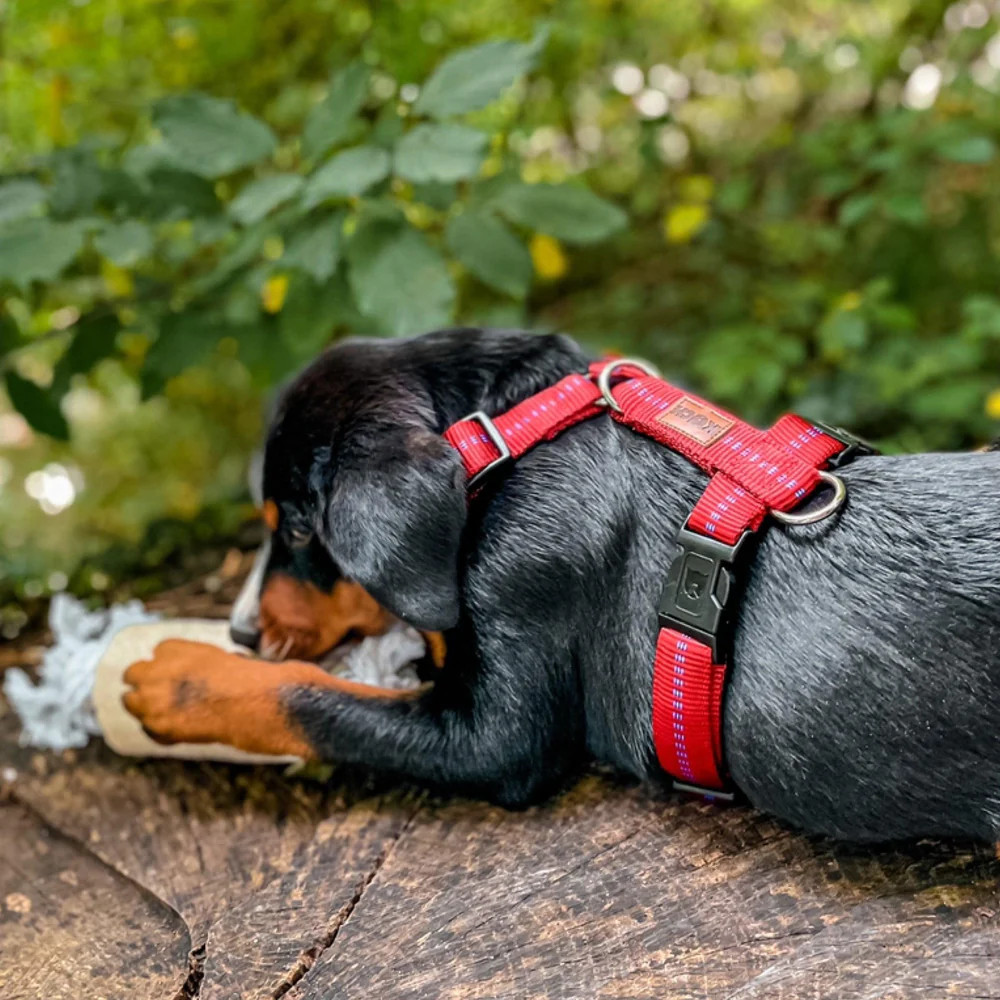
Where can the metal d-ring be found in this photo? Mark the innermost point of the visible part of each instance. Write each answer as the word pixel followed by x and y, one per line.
pixel 604 378
pixel 831 506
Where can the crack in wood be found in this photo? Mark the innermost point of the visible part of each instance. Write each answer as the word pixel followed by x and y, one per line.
pixel 309 956
pixel 196 956
pixel 191 986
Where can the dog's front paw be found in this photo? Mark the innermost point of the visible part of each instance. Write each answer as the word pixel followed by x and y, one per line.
pixel 190 692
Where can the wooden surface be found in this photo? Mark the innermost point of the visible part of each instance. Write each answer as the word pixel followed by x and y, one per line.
pixel 135 880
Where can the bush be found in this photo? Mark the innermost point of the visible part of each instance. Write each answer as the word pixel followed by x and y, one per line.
pixel 784 206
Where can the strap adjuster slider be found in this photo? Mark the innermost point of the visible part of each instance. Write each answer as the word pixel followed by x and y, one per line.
pixel 854 446
pixel 496 438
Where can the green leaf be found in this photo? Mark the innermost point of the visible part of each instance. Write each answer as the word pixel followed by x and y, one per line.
pixel 473 78
pixel 388 128
pixel 265 355
pixel 38 249
pixel 403 284
pixel 120 190
pixel 77 182
pixel 843 333
pixel 856 208
pixel 315 249
pixel 93 339
pixel 37 406
pixel 209 136
pixel 124 243
pixel 436 195
pixel 952 400
pixel 244 251
pixel 488 249
pixel 19 199
pixel 969 149
pixel 907 208
pixel 379 223
pixel 347 174
pixel 440 153
pixel 10 335
pixel 178 194
pixel 329 121
pixel 185 340
pixel 261 197
pixel 311 314
pixel 565 211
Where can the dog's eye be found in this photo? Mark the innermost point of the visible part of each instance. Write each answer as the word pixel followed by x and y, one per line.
pixel 299 538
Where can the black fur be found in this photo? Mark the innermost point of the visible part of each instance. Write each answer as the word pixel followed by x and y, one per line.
pixel 865 700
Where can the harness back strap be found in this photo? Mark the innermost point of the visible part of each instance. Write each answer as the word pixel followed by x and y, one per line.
pixel 753 473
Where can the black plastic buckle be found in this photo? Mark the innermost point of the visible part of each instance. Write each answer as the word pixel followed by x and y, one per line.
pixel 700 586
pixel 493 433
pixel 697 600
pixel 854 446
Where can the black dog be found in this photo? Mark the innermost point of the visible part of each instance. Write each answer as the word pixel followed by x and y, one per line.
pixel 865 696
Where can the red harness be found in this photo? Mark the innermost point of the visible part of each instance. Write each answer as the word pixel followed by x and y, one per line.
pixel 753 474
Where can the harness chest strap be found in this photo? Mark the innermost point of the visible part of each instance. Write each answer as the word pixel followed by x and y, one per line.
pixel 753 473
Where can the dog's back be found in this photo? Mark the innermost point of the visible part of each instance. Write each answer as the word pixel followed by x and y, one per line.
pixel 865 700
pixel 866 697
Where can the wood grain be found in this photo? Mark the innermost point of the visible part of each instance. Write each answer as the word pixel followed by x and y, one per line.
pixel 70 927
pixel 610 892
pixel 353 888
pixel 256 865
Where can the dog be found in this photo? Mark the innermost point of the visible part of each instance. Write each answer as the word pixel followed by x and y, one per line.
pixel 864 700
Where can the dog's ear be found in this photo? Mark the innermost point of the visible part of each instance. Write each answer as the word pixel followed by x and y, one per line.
pixel 394 524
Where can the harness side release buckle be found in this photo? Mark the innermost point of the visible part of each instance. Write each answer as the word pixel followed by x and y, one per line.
pixel 700 587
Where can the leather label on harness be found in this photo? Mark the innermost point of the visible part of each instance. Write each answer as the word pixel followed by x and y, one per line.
pixel 696 420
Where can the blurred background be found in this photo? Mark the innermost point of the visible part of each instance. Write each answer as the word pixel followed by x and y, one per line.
pixel 783 204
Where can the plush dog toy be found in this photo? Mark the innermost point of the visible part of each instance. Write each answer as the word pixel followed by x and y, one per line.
pixel 863 697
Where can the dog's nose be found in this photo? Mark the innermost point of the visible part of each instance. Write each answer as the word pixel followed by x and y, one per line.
pixel 245 635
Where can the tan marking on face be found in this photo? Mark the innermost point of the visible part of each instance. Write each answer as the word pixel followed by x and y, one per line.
pixel 271 515
pixel 297 619
pixel 191 692
pixel 437 648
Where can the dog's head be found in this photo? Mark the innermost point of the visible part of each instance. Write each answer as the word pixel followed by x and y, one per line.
pixel 364 501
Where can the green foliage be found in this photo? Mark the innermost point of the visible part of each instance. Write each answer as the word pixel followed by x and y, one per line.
pixel 442 153
pixel 38 250
pixel 490 251
pixel 38 407
pixel 330 120
pixel 467 81
pixel 206 237
pixel 569 213
pixel 784 205
pixel 211 137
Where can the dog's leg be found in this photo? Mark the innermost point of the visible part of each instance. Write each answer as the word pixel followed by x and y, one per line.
pixel 496 739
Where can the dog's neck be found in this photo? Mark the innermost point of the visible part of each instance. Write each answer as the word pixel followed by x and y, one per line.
pixel 473 378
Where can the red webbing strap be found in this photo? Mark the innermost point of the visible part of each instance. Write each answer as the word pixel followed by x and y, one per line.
pixel 688 686
pixel 726 510
pixel 539 418
pixel 761 474
pixel 753 472
pixel 687 710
